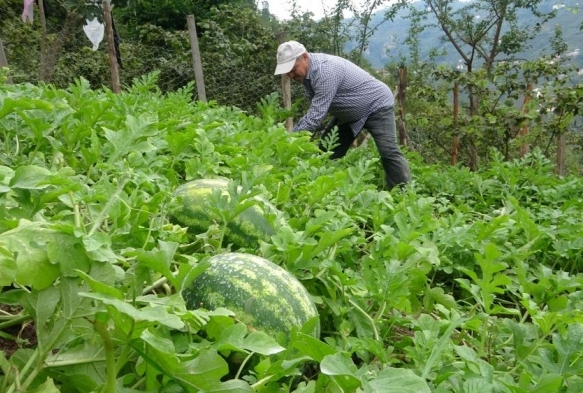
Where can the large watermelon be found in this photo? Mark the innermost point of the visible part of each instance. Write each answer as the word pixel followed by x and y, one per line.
pixel 262 294
pixel 190 207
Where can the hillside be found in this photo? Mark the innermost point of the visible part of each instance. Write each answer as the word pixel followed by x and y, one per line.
pixel 387 43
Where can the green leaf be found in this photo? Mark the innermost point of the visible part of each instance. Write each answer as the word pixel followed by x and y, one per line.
pixel 39 251
pixel 260 342
pixel 155 315
pixel 30 177
pixel 130 138
pixel 98 247
pixel 338 364
pixel 548 383
pixel 312 347
pixel 47 387
pixel 8 267
pixel 42 304
pixel 568 347
pixel 232 386
pixel 303 387
pixel 202 373
pixel 80 354
pixel 69 254
pixel 237 337
pixel 342 369
pixel 477 385
pixel 397 380
pixel 159 259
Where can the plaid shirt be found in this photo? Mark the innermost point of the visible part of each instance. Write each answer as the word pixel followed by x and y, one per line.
pixel 335 85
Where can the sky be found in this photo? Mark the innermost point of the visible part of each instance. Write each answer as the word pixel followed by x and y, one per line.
pixel 282 8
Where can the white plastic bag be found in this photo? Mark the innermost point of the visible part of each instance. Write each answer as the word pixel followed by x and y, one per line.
pixel 94 30
pixel 28 11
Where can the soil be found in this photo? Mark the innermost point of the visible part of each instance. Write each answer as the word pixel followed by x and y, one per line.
pixel 24 334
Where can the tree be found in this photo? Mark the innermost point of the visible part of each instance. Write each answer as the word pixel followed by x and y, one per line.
pixel 364 29
pixel 482 32
pixel 170 14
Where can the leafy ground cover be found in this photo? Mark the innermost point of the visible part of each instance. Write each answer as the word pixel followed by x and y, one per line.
pixel 460 282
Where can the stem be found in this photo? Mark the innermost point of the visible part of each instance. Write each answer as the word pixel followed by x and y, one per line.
pixel 41 356
pixel 16 319
pixel 76 210
pixel 16 385
pixel 122 358
pixel 72 362
pixel 108 205
pixel 223 232
pixel 381 311
pixel 243 364
pixel 8 337
pixel 159 282
pixel 109 354
pixel 137 384
pixel 372 322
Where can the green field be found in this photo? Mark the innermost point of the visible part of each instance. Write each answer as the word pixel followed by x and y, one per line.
pixel 459 282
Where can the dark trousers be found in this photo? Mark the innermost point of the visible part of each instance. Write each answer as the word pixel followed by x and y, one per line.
pixel 381 126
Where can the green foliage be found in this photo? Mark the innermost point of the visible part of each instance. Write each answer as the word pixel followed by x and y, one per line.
pixel 501 113
pixel 462 281
pixel 170 14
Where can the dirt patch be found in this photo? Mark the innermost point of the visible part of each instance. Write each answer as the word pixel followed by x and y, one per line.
pixel 21 335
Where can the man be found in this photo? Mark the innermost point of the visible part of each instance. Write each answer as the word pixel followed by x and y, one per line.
pixel 353 97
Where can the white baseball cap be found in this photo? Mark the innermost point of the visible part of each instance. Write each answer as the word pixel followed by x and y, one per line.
pixel 287 53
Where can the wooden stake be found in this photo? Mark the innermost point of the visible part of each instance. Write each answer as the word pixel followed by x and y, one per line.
pixel 286 89
pixel 196 59
pixel 115 85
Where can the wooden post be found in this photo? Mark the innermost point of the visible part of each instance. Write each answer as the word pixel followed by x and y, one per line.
pixel 196 60
pixel 561 145
pixel 401 98
pixel 524 127
pixel 4 60
pixel 286 89
pixel 43 72
pixel 115 85
pixel 456 109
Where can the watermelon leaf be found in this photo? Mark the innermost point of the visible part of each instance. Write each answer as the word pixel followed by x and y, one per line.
pixel 397 380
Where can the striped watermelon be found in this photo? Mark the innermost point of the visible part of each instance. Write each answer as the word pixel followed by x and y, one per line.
pixel 190 207
pixel 262 294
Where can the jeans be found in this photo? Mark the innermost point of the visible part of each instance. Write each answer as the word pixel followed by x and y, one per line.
pixel 381 126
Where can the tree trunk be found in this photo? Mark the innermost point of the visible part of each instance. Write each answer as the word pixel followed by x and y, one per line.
pixel 401 99
pixel 524 128
pixel 49 56
pixel 3 60
pixel 561 154
pixel 473 154
pixel 456 140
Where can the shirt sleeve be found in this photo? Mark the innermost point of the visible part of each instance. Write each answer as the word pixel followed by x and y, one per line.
pixel 325 85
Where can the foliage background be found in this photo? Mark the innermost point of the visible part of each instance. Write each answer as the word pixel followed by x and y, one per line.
pixel 238 41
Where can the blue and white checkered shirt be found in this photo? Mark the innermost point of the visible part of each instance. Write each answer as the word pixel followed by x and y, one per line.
pixel 335 85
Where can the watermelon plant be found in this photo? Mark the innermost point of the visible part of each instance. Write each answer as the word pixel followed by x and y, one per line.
pixel 460 282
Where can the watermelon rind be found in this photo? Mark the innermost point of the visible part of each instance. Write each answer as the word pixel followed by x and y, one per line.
pixel 262 294
pixel 190 208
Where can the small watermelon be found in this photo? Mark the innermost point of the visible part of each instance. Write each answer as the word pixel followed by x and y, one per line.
pixel 190 207
pixel 262 294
